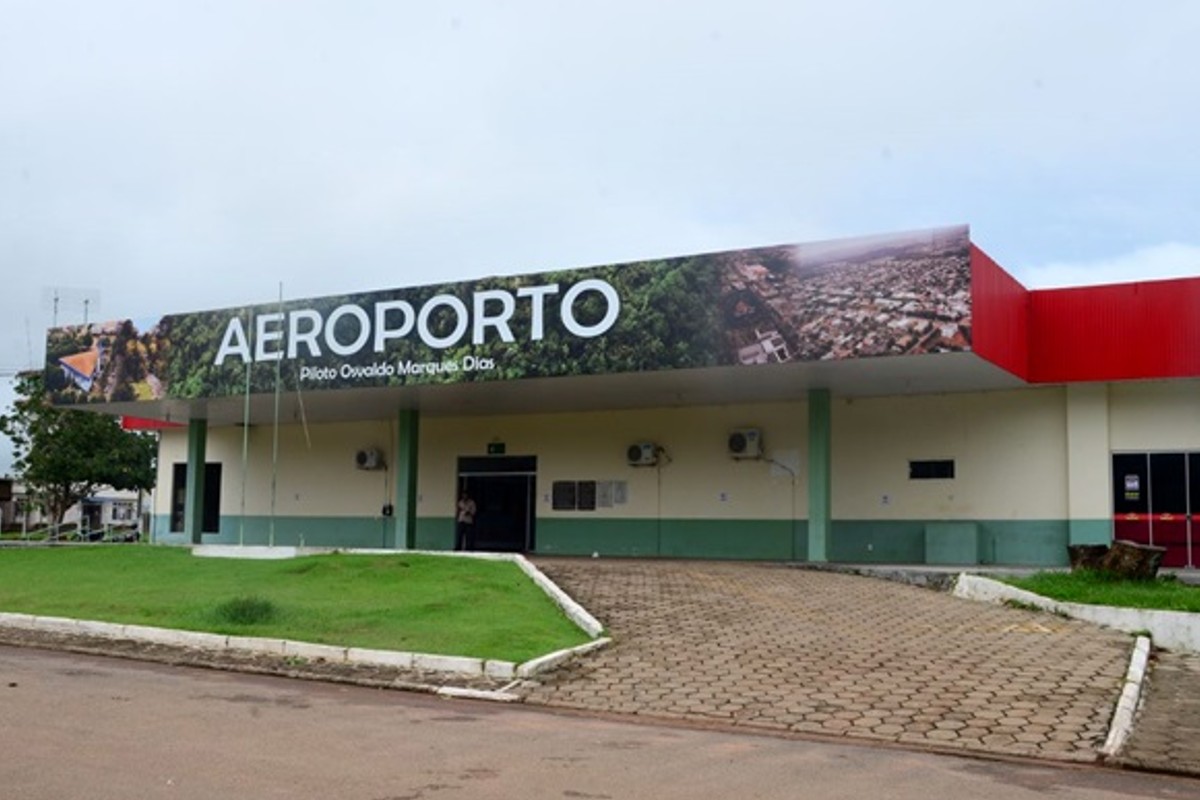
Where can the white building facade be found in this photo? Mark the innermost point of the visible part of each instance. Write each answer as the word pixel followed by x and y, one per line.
pixel 890 399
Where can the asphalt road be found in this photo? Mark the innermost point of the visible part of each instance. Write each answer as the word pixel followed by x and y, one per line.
pixel 76 726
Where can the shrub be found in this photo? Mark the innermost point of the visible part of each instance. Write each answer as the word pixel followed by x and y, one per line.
pixel 247 610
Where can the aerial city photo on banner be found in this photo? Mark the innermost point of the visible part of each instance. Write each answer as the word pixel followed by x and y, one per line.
pixel 890 295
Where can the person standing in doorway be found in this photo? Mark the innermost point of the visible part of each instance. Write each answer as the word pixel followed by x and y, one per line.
pixel 465 522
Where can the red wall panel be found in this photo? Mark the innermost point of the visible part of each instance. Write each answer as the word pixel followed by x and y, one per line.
pixel 1000 315
pixel 142 424
pixel 1116 332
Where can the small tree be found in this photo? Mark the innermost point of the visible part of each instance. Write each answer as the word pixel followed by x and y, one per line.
pixel 64 455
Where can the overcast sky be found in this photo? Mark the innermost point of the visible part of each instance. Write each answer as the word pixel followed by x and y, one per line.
pixel 159 156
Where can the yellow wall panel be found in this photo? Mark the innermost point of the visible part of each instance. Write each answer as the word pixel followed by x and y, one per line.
pixel 695 478
pixel 1155 416
pixel 316 476
pixel 1009 450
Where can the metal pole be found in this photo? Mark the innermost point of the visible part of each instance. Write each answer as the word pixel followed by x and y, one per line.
pixel 245 452
pixel 275 438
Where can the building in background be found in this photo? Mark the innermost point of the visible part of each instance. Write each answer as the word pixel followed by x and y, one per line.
pixel 895 398
pixel 109 512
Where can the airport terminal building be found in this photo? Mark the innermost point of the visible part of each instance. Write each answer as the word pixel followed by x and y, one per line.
pixel 893 399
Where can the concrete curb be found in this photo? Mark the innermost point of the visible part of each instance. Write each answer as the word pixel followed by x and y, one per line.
pixel 1174 630
pixel 424 662
pixel 575 612
pixel 248 551
pixel 975 587
pixel 1131 694
pixel 499 696
pixel 551 660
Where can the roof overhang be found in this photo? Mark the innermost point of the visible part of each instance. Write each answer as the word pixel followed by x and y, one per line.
pixel 927 374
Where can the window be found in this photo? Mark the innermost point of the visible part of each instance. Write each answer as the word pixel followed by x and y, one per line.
pixel 938 469
pixel 212 497
pixel 122 512
pixel 562 495
pixel 581 495
pixel 585 495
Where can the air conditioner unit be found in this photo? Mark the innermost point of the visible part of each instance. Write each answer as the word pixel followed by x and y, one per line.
pixel 368 458
pixel 745 443
pixel 642 454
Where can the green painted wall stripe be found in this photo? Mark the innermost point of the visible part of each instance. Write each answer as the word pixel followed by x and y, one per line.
pixel 606 537
pixel 1090 531
pixel 289 531
pixel 1026 543
pixel 434 533
pixel 868 542
pixel 774 540
pixel 1007 542
pixel 770 540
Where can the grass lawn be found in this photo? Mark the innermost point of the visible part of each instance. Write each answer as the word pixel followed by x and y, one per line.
pixel 1096 589
pixel 416 603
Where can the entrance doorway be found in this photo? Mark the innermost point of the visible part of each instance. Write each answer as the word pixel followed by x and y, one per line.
pixel 504 490
pixel 1156 500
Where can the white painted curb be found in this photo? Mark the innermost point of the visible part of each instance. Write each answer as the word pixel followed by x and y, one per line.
pixel 552 660
pixel 575 612
pixel 1122 721
pixel 455 665
pixel 500 696
pixel 1173 630
pixel 427 662
pixel 239 551
pixel 379 658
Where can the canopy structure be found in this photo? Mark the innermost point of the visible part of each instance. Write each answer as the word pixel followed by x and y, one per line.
pixel 913 350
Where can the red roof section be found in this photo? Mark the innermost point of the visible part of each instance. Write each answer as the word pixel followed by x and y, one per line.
pixel 1126 331
pixel 1000 315
pixel 143 424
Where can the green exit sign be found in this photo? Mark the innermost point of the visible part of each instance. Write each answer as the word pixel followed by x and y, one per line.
pixel 495 448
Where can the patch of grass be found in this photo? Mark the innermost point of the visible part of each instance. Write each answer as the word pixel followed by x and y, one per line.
pixel 1097 588
pixel 247 610
pixel 1021 605
pixel 418 603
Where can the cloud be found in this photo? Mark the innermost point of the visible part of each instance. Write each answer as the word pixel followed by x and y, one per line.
pixel 1167 260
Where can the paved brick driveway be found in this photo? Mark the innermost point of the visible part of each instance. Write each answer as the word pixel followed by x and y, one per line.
pixel 772 647
pixel 1166 734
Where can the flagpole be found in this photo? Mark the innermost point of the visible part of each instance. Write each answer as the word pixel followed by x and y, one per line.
pixel 275 437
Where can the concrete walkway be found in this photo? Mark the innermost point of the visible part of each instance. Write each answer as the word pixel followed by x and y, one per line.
pixel 1166 731
pixel 775 648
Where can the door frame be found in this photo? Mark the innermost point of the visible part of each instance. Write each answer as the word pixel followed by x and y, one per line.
pixel 483 467
pixel 1191 514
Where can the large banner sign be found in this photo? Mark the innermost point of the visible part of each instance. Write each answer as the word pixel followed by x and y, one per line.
pixel 899 294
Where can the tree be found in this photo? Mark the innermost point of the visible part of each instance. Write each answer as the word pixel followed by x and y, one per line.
pixel 64 456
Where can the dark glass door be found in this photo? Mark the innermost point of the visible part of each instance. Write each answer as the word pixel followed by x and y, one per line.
pixel 1156 500
pixel 1169 507
pixel 1193 470
pixel 1131 497
pixel 503 490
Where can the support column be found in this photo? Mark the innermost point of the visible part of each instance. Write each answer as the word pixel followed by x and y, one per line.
pixel 1089 490
pixel 820 449
pixel 404 532
pixel 193 501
